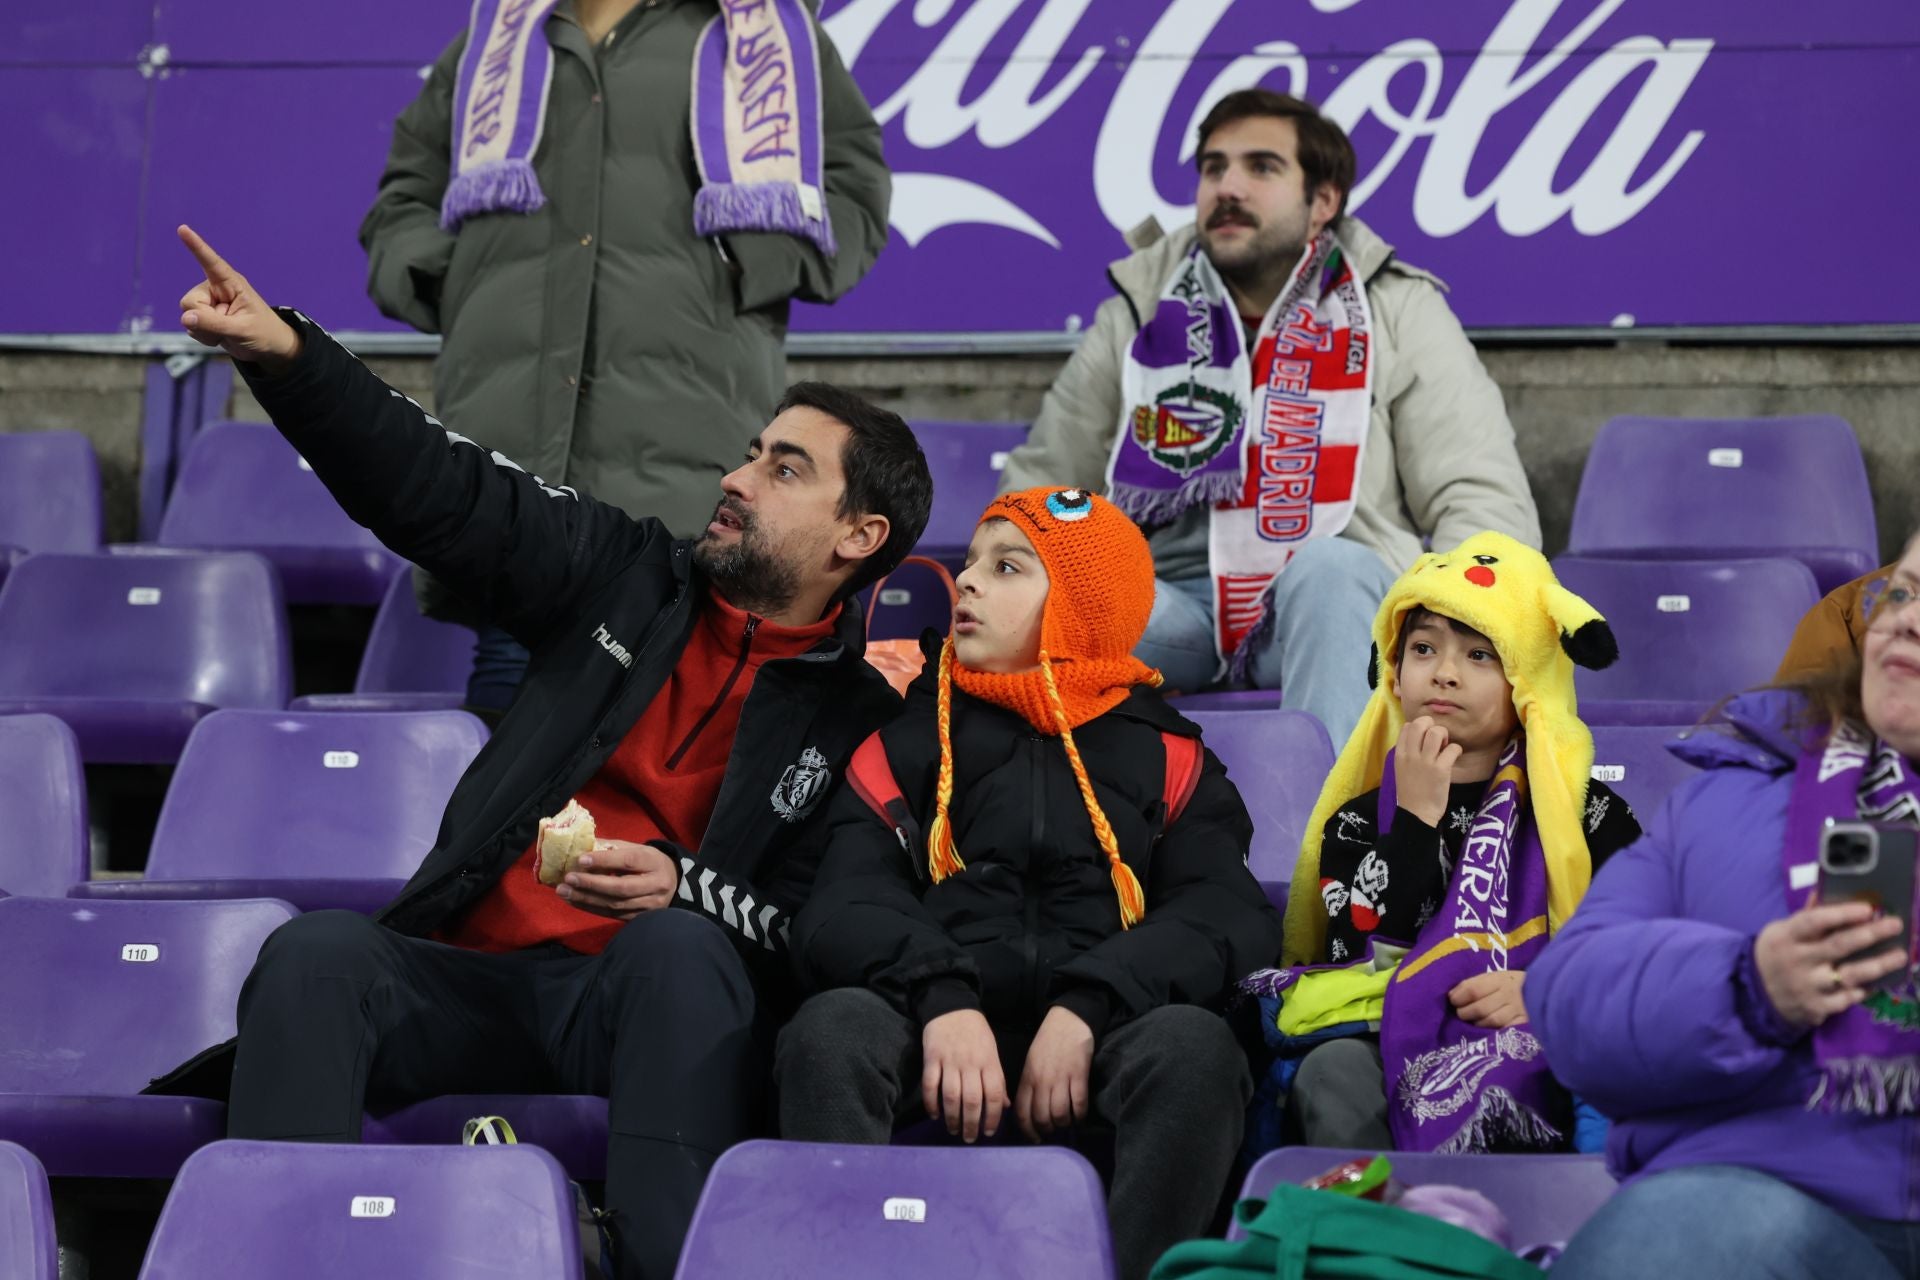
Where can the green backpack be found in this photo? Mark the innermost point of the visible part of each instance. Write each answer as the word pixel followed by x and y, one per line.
pixel 1301 1234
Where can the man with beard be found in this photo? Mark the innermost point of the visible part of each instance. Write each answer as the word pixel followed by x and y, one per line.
pixel 1273 390
pixel 698 696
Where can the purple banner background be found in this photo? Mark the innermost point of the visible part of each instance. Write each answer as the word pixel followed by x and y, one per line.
pixel 1026 133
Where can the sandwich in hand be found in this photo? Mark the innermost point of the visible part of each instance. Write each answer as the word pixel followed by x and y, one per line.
pixel 563 839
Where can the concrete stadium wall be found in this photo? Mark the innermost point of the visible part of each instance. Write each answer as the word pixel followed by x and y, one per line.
pixel 1557 397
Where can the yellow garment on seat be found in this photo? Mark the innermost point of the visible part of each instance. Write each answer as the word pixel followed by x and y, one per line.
pixel 1329 997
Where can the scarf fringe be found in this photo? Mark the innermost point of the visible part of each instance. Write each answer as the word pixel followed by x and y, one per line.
pixel 719 208
pixel 1869 1086
pixel 1158 506
pixel 1240 661
pixel 1502 1123
pixel 508 185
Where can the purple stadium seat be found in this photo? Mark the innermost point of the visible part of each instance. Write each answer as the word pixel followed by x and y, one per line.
pixel 243 488
pixel 132 651
pixel 1684 488
pixel 43 807
pixel 1545 1198
pixel 909 600
pixel 815 1209
pixel 49 495
pixel 323 809
pixel 1227 700
pixel 1279 761
pixel 1690 632
pixel 28 1248
pixel 572 1127
pixel 319 1211
pixel 1635 762
pixel 411 662
pixel 100 998
pixel 966 459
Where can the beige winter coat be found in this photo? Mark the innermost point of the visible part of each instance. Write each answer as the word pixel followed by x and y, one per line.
pixel 1440 461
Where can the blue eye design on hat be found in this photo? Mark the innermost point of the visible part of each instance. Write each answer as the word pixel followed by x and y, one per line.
pixel 1070 504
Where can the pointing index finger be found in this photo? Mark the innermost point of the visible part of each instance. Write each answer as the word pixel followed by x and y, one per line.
pixel 211 263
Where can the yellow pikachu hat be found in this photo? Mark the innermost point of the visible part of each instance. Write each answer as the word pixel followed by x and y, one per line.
pixel 1506 591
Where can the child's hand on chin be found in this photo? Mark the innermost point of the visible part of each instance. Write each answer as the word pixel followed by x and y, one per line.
pixel 1490 1000
pixel 1423 761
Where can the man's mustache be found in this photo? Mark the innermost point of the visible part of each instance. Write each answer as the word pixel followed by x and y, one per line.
pixel 1231 215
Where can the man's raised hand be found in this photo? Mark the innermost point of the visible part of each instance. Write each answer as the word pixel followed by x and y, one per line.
pixel 224 311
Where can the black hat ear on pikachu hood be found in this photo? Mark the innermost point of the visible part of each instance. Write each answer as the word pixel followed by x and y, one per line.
pixel 1506 591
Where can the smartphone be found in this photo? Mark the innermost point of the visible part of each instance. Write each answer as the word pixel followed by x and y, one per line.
pixel 1873 862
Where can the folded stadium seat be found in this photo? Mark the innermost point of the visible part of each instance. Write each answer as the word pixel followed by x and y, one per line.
pixel 411 662
pixel 1635 762
pixel 43 796
pixel 572 1127
pixel 909 600
pixel 100 998
pixel 243 488
pixel 311 1211
pixel 28 1248
pixel 322 809
pixel 49 495
pixel 132 651
pixel 818 1209
pixel 1226 700
pixel 1691 632
pixel 1699 488
pixel 1546 1198
pixel 966 459
pixel 1279 760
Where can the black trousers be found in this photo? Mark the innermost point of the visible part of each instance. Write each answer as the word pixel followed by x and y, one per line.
pixel 1173 1084
pixel 664 1024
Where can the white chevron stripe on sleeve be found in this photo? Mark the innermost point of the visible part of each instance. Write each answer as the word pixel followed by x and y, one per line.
pixel 686 869
pixel 726 901
pixel 706 892
pixel 746 917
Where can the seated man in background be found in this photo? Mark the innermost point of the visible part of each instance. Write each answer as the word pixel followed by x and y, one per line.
pixel 1273 390
pixel 699 697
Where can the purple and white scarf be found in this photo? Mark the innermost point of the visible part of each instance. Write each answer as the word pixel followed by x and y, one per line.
pixel 757 133
pixel 1452 1086
pixel 1869 1056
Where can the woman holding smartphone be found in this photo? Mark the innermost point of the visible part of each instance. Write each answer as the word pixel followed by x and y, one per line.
pixel 1758 1049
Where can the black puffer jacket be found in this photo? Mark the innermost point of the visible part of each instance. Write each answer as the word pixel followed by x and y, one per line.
pixel 1033 920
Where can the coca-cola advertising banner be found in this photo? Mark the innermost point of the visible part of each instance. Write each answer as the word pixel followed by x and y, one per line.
pixel 1557 162
pixel 1560 163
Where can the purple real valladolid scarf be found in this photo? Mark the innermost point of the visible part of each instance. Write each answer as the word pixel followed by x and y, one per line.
pixel 757 134
pixel 1452 1086
pixel 1869 1056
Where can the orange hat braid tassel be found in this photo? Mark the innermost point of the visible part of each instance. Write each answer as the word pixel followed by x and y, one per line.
pixel 943 859
pixel 1133 900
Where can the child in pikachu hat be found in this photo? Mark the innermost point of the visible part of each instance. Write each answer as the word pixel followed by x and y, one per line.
pixel 1458 829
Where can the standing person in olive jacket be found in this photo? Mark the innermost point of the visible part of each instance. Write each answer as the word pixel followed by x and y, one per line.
pixel 1058 894
pixel 610 318
pixel 699 697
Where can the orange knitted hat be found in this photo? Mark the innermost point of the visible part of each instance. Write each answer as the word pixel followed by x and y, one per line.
pixel 1099 596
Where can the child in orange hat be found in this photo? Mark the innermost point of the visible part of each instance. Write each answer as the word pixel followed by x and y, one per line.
pixel 1037 876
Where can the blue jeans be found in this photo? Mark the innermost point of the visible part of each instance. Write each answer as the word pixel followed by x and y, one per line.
pixel 1721 1222
pixel 1316 650
pixel 499 664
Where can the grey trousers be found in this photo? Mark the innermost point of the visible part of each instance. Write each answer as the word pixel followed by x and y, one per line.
pixel 1339 1096
pixel 1173 1084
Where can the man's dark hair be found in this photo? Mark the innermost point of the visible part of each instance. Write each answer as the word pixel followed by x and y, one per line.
pixel 1326 155
pixel 885 470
